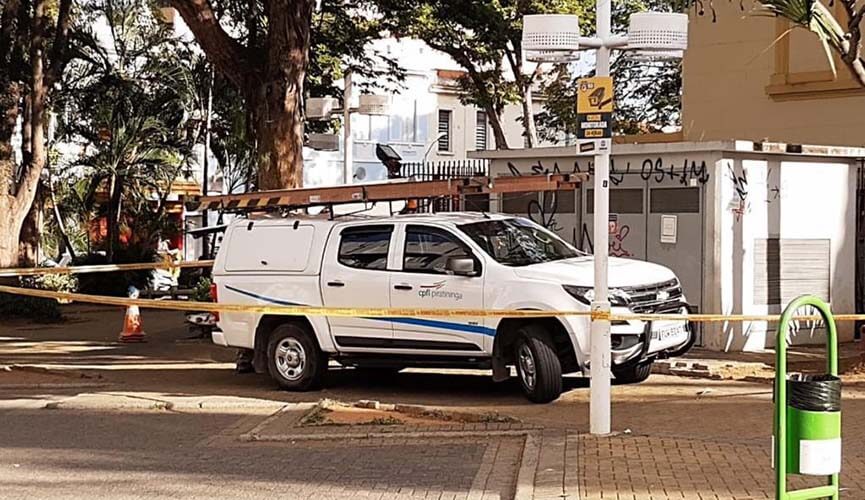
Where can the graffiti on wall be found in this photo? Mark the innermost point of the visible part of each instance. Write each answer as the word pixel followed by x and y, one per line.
pixel 618 241
pixel 742 192
pixel 543 211
pixel 651 170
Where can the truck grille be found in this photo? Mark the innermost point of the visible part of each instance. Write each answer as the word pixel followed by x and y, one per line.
pixel 659 298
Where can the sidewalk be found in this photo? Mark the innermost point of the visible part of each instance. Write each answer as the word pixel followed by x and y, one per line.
pixel 579 466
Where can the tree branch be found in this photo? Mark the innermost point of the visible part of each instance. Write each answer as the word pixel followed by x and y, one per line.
pixel 7 30
pixel 226 53
pixel 57 58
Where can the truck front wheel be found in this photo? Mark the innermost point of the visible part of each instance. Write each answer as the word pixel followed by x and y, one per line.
pixel 633 374
pixel 538 365
pixel 294 360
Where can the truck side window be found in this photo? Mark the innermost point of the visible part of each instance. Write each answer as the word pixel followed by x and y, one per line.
pixel 365 247
pixel 428 249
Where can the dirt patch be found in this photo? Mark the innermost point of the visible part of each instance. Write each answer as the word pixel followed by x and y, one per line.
pixel 373 413
pixel 856 371
pixel 750 371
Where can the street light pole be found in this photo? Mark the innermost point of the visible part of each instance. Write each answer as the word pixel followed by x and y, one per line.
pixel 347 143
pixel 599 388
pixel 556 38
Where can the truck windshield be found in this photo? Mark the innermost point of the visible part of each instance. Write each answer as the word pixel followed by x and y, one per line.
pixel 518 242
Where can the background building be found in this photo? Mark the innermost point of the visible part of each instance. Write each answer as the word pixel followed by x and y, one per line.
pixel 426 120
pixel 744 78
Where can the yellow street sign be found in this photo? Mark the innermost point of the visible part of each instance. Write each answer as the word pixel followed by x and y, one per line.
pixel 595 95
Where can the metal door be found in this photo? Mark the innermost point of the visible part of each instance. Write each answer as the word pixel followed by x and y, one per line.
pixel 674 235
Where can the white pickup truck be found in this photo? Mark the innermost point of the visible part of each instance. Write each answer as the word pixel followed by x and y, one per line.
pixel 442 261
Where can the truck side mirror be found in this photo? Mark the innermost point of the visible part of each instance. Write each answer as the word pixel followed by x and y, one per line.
pixel 462 266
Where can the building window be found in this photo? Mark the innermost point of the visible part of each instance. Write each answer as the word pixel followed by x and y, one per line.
pixel 481 131
pixel 444 130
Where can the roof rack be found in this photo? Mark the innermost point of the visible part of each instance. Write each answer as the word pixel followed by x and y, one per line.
pixel 386 191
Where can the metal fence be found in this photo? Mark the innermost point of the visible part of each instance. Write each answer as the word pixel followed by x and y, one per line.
pixel 443 170
pixel 439 170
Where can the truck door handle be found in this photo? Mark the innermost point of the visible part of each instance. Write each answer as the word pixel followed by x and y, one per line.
pixel 402 287
pixel 336 284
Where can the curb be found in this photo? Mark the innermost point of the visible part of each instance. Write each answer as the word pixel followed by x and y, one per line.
pixel 138 402
pixel 525 487
pixel 4 387
pixel 250 437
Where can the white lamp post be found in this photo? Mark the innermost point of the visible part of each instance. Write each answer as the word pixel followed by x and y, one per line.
pixel 556 38
pixel 322 108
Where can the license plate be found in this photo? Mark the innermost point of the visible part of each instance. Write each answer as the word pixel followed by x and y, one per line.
pixel 668 332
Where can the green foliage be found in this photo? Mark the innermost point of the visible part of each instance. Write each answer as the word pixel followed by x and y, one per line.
pixel 484 37
pixel 648 98
pixel 201 291
pixel 55 282
pixel 133 107
pixel 648 94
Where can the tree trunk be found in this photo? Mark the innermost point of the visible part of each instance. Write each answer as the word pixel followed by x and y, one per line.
pixel 112 218
pixel 30 236
pixel 277 101
pixel 496 124
pixel 530 129
pixel 271 80
pixel 524 83
pixel 279 133
pixel 8 233
pixel 61 225
pixel 10 97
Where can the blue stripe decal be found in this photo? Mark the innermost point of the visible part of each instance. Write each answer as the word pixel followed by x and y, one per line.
pixel 447 325
pixel 262 297
pixel 429 323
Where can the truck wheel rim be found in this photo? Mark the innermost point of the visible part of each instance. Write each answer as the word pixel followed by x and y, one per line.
pixel 527 366
pixel 290 359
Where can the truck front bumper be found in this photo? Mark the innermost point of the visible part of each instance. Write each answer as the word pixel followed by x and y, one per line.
pixel 631 347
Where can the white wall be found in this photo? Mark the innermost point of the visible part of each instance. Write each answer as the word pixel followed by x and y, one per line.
pixel 774 198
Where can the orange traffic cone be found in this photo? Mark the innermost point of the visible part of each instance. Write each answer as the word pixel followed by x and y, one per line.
pixel 132 331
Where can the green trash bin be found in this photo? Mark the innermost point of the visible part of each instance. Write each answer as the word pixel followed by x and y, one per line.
pixel 814 425
pixel 807 431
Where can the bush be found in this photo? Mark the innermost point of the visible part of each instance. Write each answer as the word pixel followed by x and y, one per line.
pixel 201 291
pixel 55 282
pixel 35 308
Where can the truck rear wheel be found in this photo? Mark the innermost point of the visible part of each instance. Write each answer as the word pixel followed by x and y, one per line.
pixel 633 374
pixel 294 360
pixel 538 365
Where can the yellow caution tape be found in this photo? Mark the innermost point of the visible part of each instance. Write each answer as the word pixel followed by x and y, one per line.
pixel 348 312
pixel 354 312
pixel 104 268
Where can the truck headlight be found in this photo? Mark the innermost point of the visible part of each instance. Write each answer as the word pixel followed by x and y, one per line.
pixel 586 295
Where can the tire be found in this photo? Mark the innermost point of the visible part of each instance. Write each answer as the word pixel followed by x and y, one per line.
pixel 534 352
pixel 633 374
pixel 294 359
